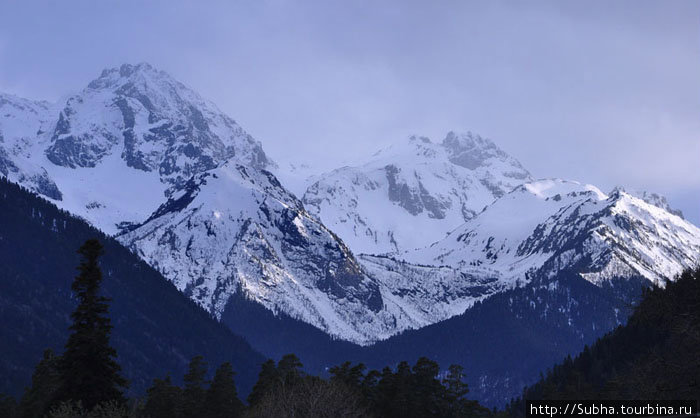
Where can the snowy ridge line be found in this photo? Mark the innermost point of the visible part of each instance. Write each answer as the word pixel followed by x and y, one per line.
pixel 571 225
pixel 440 226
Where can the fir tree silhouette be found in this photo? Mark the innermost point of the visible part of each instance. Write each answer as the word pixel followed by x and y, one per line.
pixel 89 371
pixel 194 393
pixel 222 398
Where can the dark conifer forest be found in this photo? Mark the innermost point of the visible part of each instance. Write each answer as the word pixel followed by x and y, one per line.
pixel 656 355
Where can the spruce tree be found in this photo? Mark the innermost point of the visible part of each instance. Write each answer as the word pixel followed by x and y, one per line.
pixel 222 398
pixel 426 390
pixel 194 392
pixel 289 369
pixel 267 380
pixel 89 371
pixel 456 390
pixel 163 399
pixel 286 373
pixel 454 382
pixel 38 398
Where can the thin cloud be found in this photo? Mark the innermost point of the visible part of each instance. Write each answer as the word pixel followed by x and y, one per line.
pixel 603 92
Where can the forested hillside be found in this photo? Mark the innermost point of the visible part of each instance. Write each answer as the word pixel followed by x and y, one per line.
pixel 157 329
pixel 656 355
pixel 502 342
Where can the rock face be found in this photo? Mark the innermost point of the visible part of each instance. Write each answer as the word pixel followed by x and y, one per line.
pixel 413 193
pixel 548 226
pixel 155 123
pixel 235 229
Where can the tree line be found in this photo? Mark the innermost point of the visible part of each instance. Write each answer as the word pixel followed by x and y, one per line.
pixel 86 381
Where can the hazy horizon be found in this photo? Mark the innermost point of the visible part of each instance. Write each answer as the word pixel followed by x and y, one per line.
pixel 606 94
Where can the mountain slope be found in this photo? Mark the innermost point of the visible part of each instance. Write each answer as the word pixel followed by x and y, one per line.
pixel 553 225
pixel 539 229
pixel 656 355
pixel 413 193
pixel 156 329
pixel 234 229
pixel 237 230
pixel 503 342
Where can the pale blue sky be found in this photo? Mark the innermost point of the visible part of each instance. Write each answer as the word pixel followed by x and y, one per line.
pixel 605 92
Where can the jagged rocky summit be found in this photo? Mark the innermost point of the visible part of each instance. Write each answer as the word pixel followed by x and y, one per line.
pixel 413 193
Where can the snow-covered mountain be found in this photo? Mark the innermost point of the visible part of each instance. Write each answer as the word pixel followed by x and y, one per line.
pixel 139 154
pixel 234 228
pixel 142 157
pixel 413 193
pixel 156 124
pixel 111 152
pixel 551 225
pixel 537 231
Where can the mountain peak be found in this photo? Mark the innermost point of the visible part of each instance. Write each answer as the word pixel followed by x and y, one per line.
pixel 132 135
pixel 115 76
pixel 467 139
pixel 467 150
pixel 422 189
pixel 473 151
pixel 127 69
pixel 157 123
pixel 651 198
